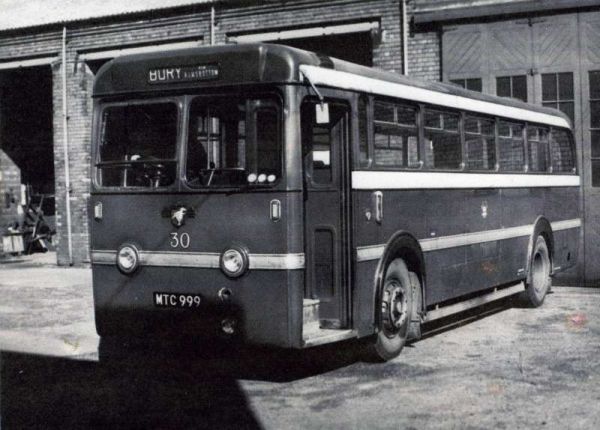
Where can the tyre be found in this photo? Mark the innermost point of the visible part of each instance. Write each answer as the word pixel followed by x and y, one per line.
pixel 540 268
pixel 395 307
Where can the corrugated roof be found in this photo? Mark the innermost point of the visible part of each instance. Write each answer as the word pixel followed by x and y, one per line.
pixel 15 14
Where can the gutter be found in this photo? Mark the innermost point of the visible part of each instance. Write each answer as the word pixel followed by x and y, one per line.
pixel 66 146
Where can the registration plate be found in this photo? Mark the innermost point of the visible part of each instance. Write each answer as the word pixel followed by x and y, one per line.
pixel 177 300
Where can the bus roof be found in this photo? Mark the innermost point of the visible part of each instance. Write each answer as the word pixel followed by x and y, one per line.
pixel 187 69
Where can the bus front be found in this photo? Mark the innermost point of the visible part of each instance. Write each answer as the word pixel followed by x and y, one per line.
pixel 195 210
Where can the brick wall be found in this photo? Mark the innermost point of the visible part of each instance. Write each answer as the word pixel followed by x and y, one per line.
pixel 181 25
pixel 424 52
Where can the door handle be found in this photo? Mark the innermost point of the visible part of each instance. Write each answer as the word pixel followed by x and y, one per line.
pixel 378 198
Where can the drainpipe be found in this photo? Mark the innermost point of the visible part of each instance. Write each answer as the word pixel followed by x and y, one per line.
pixel 404 38
pixel 212 23
pixel 66 146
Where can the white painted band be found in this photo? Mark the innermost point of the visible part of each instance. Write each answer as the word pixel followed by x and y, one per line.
pixel 565 225
pixel 374 252
pixel 371 180
pixel 204 260
pixel 350 81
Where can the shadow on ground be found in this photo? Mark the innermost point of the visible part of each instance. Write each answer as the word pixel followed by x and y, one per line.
pixel 149 388
pixel 156 386
pixel 46 392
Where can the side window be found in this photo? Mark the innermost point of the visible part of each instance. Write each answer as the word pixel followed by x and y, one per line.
pixel 396 142
pixel 537 149
pixel 511 148
pixel 442 139
pixel 480 143
pixel 561 147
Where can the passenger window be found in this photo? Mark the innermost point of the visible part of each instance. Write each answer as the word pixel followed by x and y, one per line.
pixel 442 139
pixel 480 143
pixel 396 142
pixel 511 148
pixel 537 147
pixel 561 148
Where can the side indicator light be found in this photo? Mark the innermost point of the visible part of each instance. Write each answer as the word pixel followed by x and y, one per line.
pixel 98 211
pixel 275 210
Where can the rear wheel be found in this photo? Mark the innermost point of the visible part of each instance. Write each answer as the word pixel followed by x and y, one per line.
pixel 539 273
pixel 395 307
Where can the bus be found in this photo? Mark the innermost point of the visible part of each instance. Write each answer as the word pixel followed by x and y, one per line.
pixel 275 196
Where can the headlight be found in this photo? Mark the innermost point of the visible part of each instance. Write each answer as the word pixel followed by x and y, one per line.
pixel 128 259
pixel 234 262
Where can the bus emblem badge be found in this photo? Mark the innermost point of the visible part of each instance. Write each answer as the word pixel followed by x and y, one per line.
pixel 178 216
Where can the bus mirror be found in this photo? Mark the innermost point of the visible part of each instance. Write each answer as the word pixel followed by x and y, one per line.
pixel 322 113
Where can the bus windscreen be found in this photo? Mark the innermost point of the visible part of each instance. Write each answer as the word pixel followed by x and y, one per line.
pixel 233 142
pixel 138 145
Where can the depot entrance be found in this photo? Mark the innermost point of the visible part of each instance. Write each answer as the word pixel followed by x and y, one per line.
pixel 26 133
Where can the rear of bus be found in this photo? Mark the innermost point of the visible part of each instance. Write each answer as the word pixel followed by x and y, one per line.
pixel 196 205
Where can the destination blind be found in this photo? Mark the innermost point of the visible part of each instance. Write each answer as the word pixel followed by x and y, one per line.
pixel 166 75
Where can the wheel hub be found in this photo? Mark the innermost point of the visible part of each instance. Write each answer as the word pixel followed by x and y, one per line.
pixel 394 305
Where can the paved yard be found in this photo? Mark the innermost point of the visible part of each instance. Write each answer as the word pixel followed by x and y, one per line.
pixel 514 368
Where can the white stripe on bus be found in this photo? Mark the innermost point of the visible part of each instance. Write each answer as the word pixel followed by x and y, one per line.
pixel 204 260
pixel 374 252
pixel 350 81
pixel 370 180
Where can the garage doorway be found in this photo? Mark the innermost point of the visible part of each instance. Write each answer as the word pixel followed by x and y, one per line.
pixel 353 47
pixel 26 129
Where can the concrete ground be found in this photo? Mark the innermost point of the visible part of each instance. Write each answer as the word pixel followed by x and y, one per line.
pixel 513 368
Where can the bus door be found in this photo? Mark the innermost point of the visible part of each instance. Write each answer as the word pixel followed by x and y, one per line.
pixel 325 134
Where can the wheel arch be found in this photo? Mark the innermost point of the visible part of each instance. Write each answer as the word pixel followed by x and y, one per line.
pixel 542 227
pixel 405 246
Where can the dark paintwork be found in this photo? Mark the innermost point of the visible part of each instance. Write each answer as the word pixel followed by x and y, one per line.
pixel 269 303
pixel 458 271
pixel 265 296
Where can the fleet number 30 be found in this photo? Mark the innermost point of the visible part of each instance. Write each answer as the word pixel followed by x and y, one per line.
pixel 180 240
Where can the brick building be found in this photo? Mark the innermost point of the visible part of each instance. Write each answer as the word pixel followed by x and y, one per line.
pixel 544 51
pixel 33 34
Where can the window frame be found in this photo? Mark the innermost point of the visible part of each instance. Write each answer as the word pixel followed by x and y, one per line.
pixel 557 101
pixel 548 158
pixel 459 132
pixel 494 121
pixel 178 101
pixel 371 129
pixel 243 94
pixel 511 79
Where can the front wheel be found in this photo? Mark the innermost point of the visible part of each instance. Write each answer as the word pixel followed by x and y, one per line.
pixel 395 308
pixel 539 273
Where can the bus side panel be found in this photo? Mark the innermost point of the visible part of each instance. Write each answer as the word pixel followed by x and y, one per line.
pixel 564 204
pixel 366 233
pixel 363 306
